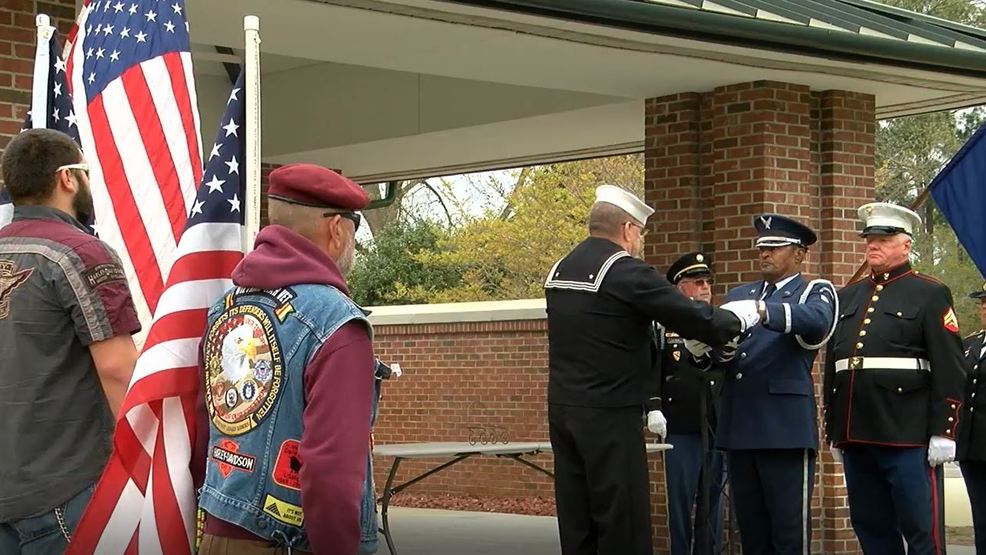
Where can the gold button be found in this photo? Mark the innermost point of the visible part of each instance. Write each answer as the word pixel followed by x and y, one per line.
pixel 859 345
pixel 862 333
pixel 953 406
pixel 871 310
pixel 899 314
pixel 866 321
pixel 879 288
pixel 950 419
pixel 900 390
pixel 875 298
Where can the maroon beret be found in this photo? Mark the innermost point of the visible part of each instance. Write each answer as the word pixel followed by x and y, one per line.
pixel 313 185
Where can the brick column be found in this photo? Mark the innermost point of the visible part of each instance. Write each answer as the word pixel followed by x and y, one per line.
pixel 715 160
pixel 17 49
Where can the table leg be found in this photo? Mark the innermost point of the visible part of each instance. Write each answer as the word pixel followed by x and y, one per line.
pixel 520 458
pixel 388 492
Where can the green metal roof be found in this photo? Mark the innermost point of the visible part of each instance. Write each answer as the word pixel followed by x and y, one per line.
pixel 849 29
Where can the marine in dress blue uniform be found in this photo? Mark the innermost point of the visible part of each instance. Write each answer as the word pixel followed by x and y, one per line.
pixel 972 426
pixel 893 391
pixel 688 389
pixel 767 419
pixel 601 303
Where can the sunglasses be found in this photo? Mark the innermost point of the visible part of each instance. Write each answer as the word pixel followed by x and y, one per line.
pixel 81 166
pixel 351 216
pixel 643 230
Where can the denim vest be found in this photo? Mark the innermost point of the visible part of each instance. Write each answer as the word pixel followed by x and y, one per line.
pixel 255 350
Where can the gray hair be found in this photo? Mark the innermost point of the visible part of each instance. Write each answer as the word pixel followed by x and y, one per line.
pixel 605 219
pixel 299 218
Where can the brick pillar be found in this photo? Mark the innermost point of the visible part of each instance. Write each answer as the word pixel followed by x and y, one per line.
pixel 716 159
pixel 17 49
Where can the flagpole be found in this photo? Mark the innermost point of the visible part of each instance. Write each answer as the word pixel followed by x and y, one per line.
pixel 251 28
pixel 39 90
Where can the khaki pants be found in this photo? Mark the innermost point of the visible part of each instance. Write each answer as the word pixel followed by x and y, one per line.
pixel 215 545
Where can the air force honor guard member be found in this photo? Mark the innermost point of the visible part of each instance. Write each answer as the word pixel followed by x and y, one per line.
pixel 601 301
pixel 893 390
pixel 767 418
pixel 972 427
pixel 687 389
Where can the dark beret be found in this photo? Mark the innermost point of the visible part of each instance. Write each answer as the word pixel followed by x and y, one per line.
pixel 316 186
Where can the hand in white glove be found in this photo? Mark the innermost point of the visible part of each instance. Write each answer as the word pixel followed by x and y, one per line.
pixel 747 311
pixel 940 450
pixel 697 348
pixel 837 454
pixel 656 423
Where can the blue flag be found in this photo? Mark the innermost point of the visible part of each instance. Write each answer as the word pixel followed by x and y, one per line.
pixel 959 191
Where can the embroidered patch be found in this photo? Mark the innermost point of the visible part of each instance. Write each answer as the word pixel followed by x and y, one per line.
pixel 949 321
pixel 243 369
pixel 102 274
pixel 287 466
pixel 10 279
pixel 676 355
pixel 226 454
pixel 283 511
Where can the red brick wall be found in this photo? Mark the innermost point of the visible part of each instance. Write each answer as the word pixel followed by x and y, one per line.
pixel 17 47
pixel 460 379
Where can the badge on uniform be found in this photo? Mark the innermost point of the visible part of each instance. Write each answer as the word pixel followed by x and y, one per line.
pixel 949 321
pixel 676 355
pixel 10 279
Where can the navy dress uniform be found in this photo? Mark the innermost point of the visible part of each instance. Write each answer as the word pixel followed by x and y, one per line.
pixel 972 428
pixel 601 303
pixel 688 389
pixel 767 419
pixel 893 388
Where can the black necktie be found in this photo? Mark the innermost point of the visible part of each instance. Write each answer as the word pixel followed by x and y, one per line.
pixel 768 291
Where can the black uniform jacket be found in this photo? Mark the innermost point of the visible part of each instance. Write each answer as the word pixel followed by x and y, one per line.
pixel 894 372
pixel 972 426
pixel 601 303
pixel 682 384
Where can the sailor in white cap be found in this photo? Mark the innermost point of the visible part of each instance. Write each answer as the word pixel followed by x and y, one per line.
pixel 893 390
pixel 601 300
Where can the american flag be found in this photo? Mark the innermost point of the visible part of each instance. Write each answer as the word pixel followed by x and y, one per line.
pixel 59 113
pixel 130 74
pixel 145 501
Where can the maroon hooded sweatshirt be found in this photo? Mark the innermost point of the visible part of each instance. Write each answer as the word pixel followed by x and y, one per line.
pixel 338 385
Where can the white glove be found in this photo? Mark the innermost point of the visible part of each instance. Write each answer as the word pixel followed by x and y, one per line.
pixel 395 370
pixel 656 423
pixel 697 348
pixel 747 311
pixel 940 450
pixel 837 455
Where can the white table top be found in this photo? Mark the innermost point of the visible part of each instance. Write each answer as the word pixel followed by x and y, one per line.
pixel 451 449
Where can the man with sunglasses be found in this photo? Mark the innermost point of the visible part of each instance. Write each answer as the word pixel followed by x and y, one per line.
pixel 683 398
pixel 288 374
pixel 601 303
pixel 66 353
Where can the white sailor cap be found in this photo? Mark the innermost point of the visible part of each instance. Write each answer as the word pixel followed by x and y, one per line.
pixel 625 201
pixel 884 218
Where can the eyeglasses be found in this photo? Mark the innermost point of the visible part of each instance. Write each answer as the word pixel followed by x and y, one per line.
pixel 643 230
pixel 81 166
pixel 351 216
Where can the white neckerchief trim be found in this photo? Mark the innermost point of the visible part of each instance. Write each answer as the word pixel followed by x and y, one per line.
pixel 592 286
pixel 835 317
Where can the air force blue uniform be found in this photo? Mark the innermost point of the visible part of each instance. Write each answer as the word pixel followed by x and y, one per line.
pixel 767 419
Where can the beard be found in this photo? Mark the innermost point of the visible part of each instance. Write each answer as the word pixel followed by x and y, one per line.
pixel 83 206
pixel 345 261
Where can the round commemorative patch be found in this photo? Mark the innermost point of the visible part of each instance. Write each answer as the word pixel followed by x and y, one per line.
pixel 243 369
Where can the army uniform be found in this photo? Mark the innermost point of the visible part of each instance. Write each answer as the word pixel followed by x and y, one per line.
pixel 893 380
pixel 601 303
pixel 767 417
pixel 687 388
pixel 972 429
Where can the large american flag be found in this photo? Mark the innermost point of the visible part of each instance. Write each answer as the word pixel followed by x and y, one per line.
pixel 130 74
pixel 145 501
pixel 59 113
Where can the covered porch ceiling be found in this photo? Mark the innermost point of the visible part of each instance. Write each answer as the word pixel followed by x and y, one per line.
pixel 398 89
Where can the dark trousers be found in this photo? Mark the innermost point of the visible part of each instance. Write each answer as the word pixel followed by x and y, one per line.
pixel 893 493
pixel 682 472
pixel 771 491
pixel 974 474
pixel 602 488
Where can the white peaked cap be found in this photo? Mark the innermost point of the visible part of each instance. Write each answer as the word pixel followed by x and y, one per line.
pixel 884 218
pixel 625 201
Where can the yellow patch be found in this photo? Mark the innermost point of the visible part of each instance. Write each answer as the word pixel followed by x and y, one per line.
pixel 676 355
pixel 283 511
pixel 950 322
